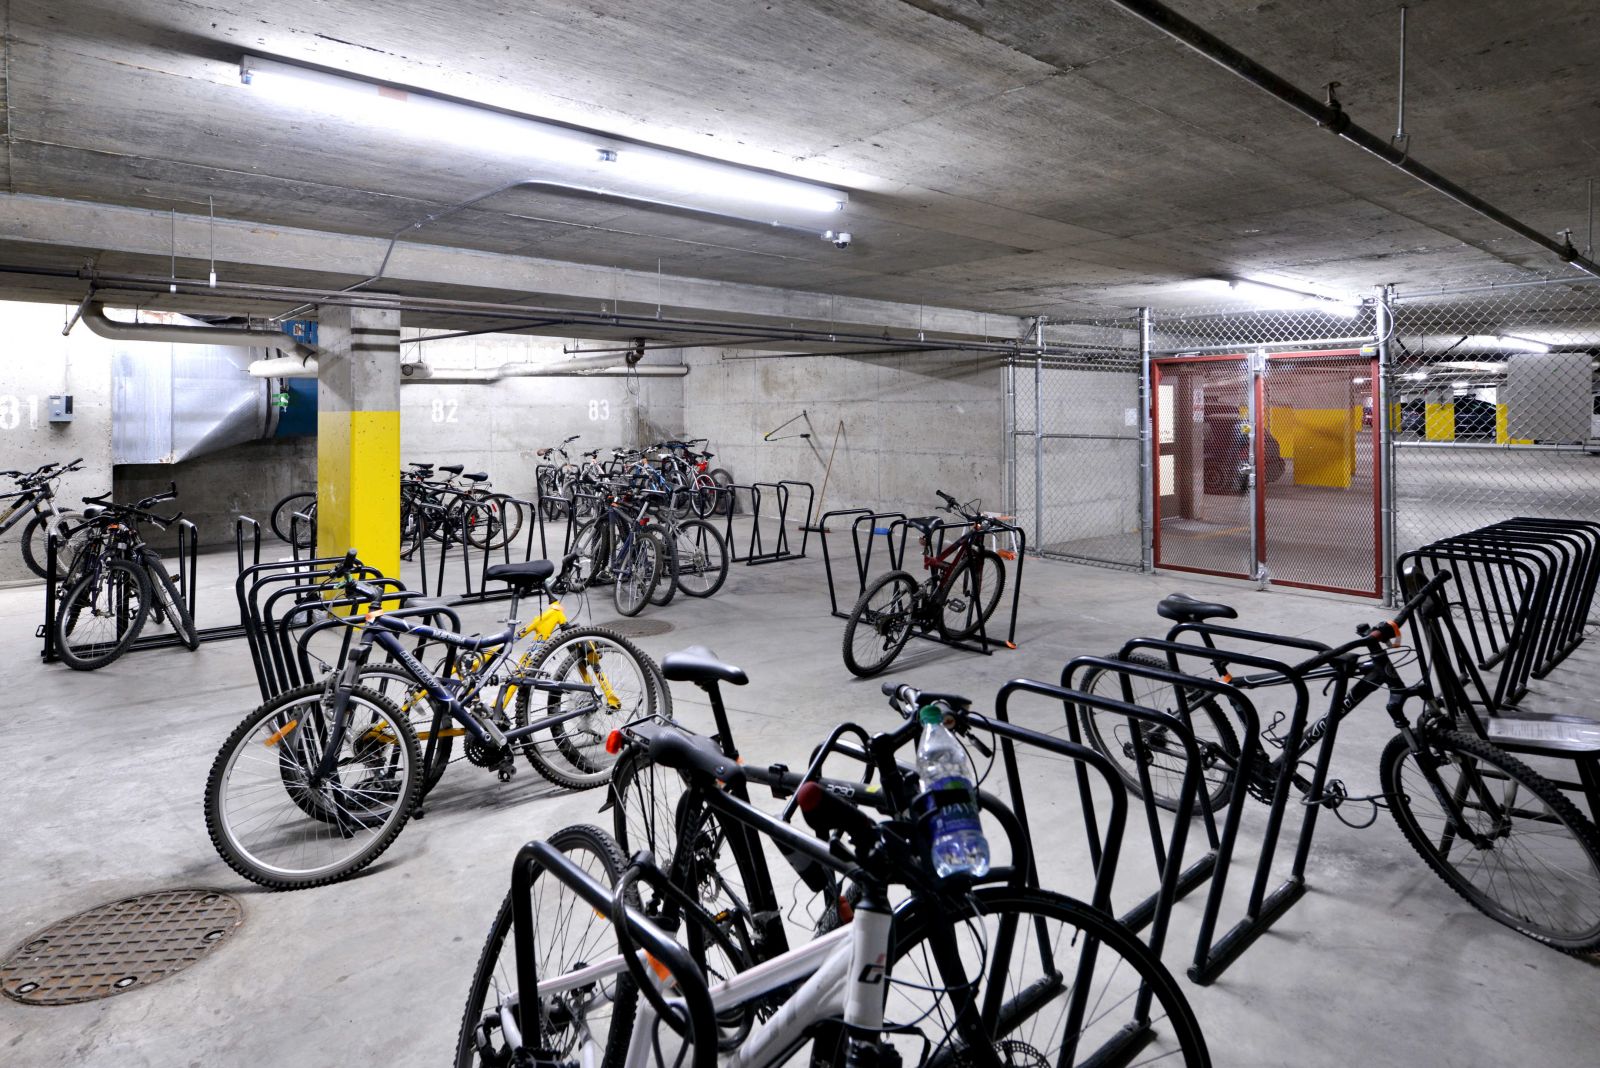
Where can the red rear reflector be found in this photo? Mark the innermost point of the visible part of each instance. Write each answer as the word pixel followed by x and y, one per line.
pixel 808 796
pixel 614 743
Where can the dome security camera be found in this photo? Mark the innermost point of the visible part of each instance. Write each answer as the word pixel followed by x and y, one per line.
pixel 840 239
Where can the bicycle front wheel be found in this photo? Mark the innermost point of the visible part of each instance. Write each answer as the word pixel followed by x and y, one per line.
pixel 1040 979
pixel 101 614
pixel 638 568
pixel 620 689
pixel 170 598
pixel 880 624
pixel 1499 834
pixel 702 557
pixel 971 594
pixel 588 1024
pixel 1130 743
pixel 273 823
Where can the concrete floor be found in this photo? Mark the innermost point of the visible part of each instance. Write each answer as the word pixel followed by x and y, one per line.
pixel 1379 964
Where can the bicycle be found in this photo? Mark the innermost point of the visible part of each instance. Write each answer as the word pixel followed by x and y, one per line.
pixel 616 547
pixel 35 499
pixel 555 482
pixel 696 559
pixel 1001 976
pixel 315 784
pixel 963 588
pixel 1501 835
pixel 114 583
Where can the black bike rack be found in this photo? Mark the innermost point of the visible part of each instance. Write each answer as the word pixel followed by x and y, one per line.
pixel 875 527
pixel 476 560
pixel 770 501
pixel 185 575
pixel 979 642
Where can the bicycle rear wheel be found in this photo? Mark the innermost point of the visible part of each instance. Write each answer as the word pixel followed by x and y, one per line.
pixel 166 594
pixel 34 535
pixel 702 557
pixel 587 1025
pixel 880 624
pixel 411 698
pixel 638 569
pixel 1041 979
pixel 1163 756
pixel 101 614
pixel 1537 869
pixel 283 512
pixel 971 595
pixel 272 826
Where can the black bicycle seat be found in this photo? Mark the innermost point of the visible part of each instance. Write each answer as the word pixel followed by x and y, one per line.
pixel 1182 608
pixel 420 466
pixel 673 747
pixel 477 476
pixel 700 665
pixel 454 469
pixel 926 523
pixel 521 575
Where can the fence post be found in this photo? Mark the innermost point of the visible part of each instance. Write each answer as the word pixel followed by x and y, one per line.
pixel 1038 434
pixel 1384 326
pixel 1146 451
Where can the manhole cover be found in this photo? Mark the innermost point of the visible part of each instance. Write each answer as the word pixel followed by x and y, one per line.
pixel 639 628
pixel 118 947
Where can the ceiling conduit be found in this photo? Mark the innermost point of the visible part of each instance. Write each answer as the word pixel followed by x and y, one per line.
pixel 95 318
pixel 1331 116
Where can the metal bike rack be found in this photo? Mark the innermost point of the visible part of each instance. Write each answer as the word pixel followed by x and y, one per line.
pixel 475 578
pixel 185 575
pixel 980 642
pixel 875 527
pixel 759 494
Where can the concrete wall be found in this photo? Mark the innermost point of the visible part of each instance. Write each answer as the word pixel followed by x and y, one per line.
pixel 36 361
pixel 496 427
pixel 912 424
pixel 214 490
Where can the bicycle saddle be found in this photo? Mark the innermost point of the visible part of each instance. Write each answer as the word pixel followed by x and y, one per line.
pixel 454 469
pixel 1182 608
pixel 542 452
pixel 522 575
pixel 700 665
pixel 673 747
pixel 925 523
pixel 420 466
pixel 476 476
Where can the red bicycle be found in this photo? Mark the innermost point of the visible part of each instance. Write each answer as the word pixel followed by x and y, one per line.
pixel 963 588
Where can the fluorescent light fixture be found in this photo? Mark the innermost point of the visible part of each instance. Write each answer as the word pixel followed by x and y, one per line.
pixel 1525 344
pixel 1473 365
pixel 1415 376
pixel 1272 295
pixel 594 158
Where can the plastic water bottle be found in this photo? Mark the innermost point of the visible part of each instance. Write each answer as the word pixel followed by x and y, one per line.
pixel 958 844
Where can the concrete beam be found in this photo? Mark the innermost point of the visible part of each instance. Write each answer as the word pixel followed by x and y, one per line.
pixel 52 221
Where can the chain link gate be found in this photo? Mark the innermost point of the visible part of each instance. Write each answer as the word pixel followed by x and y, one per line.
pixel 1491 400
pixel 1074 445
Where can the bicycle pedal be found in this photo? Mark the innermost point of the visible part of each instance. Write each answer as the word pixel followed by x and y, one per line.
pixel 506 772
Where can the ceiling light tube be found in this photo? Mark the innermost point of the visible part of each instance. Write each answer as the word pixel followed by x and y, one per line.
pixel 601 159
pixel 1525 344
pixel 1272 295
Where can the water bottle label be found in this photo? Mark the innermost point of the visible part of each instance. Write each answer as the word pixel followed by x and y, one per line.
pixel 956 811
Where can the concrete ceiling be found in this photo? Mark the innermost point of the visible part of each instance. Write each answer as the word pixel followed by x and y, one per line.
pixel 1013 157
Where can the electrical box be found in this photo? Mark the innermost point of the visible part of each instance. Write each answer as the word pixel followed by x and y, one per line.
pixel 61 407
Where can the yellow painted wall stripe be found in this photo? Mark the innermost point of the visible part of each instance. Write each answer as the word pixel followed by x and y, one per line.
pixel 358 486
pixel 1439 422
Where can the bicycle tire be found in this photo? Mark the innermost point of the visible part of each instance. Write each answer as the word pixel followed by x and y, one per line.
pixel 644 806
pixel 707 556
pixel 959 585
pixel 638 570
pixel 573 754
pixel 170 598
pixel 391 804
pixel 1119 959
pixel 282 512
pixel 85 596
pixel 412 699
pixel 495 975
pixel 1112 736
pixel 1566 865
pixel 34 536
pixel 667 579
pixel 887 632
pixel 590 553
pixel 725 503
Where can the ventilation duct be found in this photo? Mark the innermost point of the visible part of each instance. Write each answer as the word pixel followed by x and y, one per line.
pixel 187 331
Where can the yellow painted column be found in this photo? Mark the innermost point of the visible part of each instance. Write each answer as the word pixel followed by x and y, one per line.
pixel 1439 416
pixel 358 436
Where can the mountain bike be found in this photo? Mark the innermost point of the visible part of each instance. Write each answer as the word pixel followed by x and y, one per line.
pixel 618 547
pixel 696 559
pixel 316 783
pixel 954 974
pixel 1501 835
pixel 963 588
pixel 113 583
pixel 35 499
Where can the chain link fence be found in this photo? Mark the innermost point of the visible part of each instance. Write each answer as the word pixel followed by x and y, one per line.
pixel 1076 444
pixel 1492 408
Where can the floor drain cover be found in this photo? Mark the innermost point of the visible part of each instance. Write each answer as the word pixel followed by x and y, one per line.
pixel 119 947
pixel 639 628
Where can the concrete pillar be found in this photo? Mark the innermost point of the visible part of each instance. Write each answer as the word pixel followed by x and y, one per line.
pixel 358 435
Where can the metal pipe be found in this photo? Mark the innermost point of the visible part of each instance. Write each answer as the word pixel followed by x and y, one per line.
pixel 1401 298
pixel 94 317
pixel 1038 439
pixel 1400 103
pixel 1489 446
pixel 1146 450
pixel 1331 116
pixel 622 349
pixel 1384 435
pixel 1317 342
pixel 484 309
pixel 496 374
pixel 511 327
